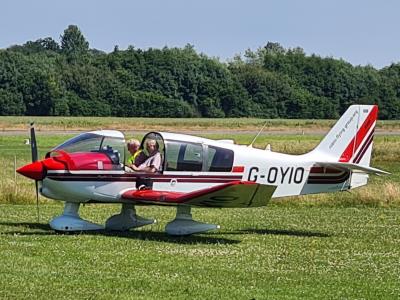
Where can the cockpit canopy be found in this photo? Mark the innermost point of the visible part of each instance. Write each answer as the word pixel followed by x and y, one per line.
pixel 182 153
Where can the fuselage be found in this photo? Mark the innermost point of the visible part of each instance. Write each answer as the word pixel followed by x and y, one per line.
pixel 90 177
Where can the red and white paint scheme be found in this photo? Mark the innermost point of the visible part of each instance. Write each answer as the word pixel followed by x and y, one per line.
pixel 199 172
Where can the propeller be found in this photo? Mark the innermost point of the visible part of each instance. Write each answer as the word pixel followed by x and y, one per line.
pixel 34 152
pixel 33 143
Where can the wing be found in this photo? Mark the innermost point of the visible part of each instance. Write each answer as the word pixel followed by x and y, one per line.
pixel 232 194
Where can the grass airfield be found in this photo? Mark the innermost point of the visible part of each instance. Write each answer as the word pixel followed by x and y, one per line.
pixel 341 245
pixel 275 252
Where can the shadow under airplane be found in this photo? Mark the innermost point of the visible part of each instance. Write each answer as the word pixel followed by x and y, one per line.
pixel 130 234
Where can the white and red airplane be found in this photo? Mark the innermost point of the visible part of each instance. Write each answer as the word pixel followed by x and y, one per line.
pixel 198 172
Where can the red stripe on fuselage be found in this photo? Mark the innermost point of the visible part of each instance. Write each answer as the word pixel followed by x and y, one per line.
pixel 153 177
pixel 238 169
pixel 355 143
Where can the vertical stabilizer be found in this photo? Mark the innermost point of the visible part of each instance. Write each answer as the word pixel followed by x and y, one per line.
pixel 350 140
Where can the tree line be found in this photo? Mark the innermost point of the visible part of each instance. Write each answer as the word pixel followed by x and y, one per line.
pixel 48 78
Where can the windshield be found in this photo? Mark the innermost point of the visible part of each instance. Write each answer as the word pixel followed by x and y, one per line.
pixel 85 142
pixel 91 142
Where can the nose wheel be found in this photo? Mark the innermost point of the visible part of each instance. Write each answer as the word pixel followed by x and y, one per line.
pixel 71 221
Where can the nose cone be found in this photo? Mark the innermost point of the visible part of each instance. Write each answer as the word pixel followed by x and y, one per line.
pixel 34 170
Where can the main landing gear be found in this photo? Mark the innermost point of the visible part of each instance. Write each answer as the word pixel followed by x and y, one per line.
pixel 127 219
pixel 183 224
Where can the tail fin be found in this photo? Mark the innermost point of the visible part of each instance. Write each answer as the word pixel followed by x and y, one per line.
pixel 350 140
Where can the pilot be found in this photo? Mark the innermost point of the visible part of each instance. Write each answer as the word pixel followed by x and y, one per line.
pixel 133 148
pixel 153 162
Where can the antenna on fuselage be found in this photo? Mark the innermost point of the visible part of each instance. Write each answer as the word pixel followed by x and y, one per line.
pixel 262 128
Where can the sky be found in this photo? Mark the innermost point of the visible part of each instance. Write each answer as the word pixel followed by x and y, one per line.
pixel 359 32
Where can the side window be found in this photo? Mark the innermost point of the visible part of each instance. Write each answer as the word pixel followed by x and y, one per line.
pixel 194 153
pixel 190 157
pixel 172 156
pixel 184 156
pixel 219 159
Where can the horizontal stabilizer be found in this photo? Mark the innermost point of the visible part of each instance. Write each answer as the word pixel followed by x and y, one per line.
pixel 231 194
pixel 352 167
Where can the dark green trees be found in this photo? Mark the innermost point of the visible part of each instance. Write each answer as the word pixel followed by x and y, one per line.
pixel 11 103
pixel 73 43
pixel 43 77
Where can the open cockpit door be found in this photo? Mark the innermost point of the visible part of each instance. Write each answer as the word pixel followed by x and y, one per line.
pixel 148 139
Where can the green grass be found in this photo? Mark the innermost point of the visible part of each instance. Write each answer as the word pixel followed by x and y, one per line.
pixel 277 252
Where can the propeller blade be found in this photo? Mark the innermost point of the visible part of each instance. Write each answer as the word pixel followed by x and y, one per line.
pixel 37 199
pixel 33 144
pixel 34 152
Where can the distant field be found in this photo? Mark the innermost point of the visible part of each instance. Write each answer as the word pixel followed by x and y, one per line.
pixel 92 123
